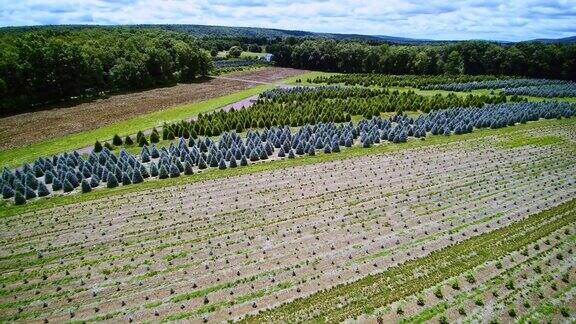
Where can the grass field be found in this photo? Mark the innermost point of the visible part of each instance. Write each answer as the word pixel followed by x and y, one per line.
pixel 17 156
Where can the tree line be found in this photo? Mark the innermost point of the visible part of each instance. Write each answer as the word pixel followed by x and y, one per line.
pixel 41 66
pixel 532 59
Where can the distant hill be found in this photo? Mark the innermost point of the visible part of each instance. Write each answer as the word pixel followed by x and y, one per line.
pixel 270 33
pixel 566 40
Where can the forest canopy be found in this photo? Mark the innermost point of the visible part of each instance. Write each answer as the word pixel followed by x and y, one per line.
pixel 45 66
pixel 531 59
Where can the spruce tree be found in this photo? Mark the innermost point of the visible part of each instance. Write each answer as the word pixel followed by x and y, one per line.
pixel 137 177
pixel 142 141
pixel 7 192
pixel 94 181
pixel 174 171
pixel 42 190
pixel 128 140
pixel 67 186
pixel 97 147
pixel 233 163
pixel 126 179
pixel 108 146
pixel 243 161
pixel 31 181
pixel 19 199
pixel 56 184
pixel 201 163
pixel 188 168
pixel 112 182
pixel 153 169
pixel 154 137
pixel 222 164
pixel 291 154
pixel 144 172
pixel 86 187
pixel 117 140
pixel 163 173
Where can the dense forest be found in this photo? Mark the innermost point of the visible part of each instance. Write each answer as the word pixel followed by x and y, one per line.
pixel 531 59
pixel 50 65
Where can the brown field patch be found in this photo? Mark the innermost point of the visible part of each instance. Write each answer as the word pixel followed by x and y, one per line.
pixel 61 120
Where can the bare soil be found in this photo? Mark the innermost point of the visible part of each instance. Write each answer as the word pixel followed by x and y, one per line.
pixel 27 128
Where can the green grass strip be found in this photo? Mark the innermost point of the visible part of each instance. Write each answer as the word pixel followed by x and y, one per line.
pixel 20 155
pixel 364 296
pixel 9 209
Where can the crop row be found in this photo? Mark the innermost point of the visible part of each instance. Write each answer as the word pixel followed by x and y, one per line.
pixel 65 172
pixel 365 295
pixel 387 80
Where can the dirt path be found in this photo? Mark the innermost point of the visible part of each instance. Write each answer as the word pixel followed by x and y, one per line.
pixel 27 128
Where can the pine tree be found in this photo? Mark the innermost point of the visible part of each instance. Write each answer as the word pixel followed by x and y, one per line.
pixel 202 163
pixel 67 186
pixel 291 154
pixel 31 181
pixel 188 168
pixel 137 177
pixel 281 153
pixel 126 179
pixel 163 173
pixel 174 171
pixel 243 161
pixel 112 182
pixel 117 140
pixel 108 146
pixel 222 164
pixel 128 140
pixel 142 141
pixel 56 184
pixel 19 199
pixel 38 172
pixel 94 181
pixel 153 169
pixel 143 172
pixel 233 163
pixel 86 186
pixel 154 137
pixel 7 192
pixel 97 147
pixel 42 190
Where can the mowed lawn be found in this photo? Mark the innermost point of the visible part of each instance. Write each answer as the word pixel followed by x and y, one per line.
pixel 17 156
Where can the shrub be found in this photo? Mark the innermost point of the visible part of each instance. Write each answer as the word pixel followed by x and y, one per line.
pixel 117 140
pixel 233 163
pixel 438 293
pixel 111 182
pixel 243 161
pixel 512 312
pixel 97 147
pixel 108 146
pixel 235 51
pixel 221 164
pixel 42 190
pixel 31 181
pixel 48 177
pixel 94 181
pixel 154 137
pixel 420 301
pixel 142 141
pixel 19 199
pixel 128 140
pixel 86 186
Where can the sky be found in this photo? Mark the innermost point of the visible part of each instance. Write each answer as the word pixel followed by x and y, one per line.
pixel 511 20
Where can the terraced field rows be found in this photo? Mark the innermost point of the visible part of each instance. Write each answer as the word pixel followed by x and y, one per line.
pixel 225 248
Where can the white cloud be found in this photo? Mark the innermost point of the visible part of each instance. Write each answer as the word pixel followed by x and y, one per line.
pixel 435 19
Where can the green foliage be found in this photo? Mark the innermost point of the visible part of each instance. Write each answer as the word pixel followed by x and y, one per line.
pixel 19 199
pixel 117 140
pixel 97 147
pixel 51 64
pixel 235 51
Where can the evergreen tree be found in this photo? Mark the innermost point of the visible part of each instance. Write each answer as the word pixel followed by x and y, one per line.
pixel 154 137
pixel 144 172
pixel 86 186
pixel 56 184
pixel 153 169
pixel 94 181
pixel 112 181
pixel 222 164
pixel 42 190
pixel 137 177
pixel 31 181
pixel 243 161
pixel 38 172
pixel 126 179
pixel 291 154
pixel 281 153
pixel 67 186
pixel 174 171
pixel 142 141
pixel 202 163
pixel 128 140
pixel 19 199
pixel 108 146
pixel 7 192
pixel 188 168
pixel 233 163
pixel 97 147
pixel 117 140
pixel 163 173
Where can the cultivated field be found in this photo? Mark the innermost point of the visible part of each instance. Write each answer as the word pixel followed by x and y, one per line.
pixel 31 127
pixel 374 237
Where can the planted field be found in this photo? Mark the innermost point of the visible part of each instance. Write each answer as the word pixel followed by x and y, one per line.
pixel 328 233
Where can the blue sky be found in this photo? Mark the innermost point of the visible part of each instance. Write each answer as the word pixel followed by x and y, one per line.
pixel 434 19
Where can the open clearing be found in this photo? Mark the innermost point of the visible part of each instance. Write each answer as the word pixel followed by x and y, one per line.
pixel 228 247
pixel 41 125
